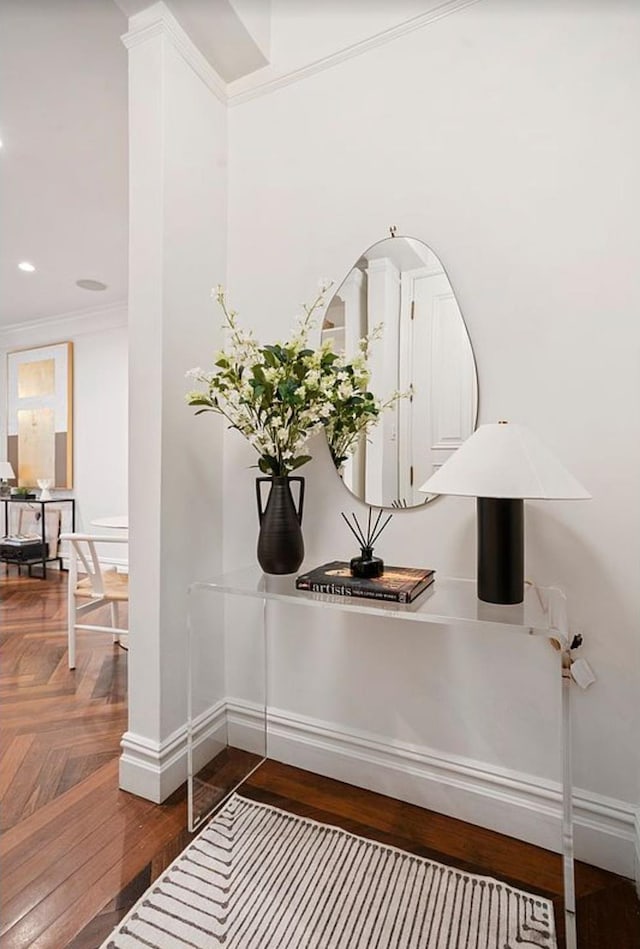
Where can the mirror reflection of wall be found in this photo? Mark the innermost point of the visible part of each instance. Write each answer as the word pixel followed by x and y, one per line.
pixel 424 353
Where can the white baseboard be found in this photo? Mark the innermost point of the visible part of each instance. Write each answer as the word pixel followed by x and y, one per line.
pixel 510 802
pixel 154 770
pixel 607 831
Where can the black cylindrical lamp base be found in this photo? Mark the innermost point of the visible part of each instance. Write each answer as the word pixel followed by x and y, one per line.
pixel 501 550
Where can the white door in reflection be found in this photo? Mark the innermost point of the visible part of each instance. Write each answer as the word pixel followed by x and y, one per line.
pixel 442 410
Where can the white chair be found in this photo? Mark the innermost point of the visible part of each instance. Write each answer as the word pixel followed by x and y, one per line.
pixel 100 587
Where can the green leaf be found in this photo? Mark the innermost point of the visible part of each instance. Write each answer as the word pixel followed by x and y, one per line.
pixel 258 373
pixel 286 390
pixel 200 400
pixel 299 461
pixel 276 351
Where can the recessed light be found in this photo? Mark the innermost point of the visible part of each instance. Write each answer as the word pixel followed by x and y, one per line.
pixel 26 266
pixel 91 285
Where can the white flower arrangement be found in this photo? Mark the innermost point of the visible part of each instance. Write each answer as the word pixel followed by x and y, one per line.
pixel 279 395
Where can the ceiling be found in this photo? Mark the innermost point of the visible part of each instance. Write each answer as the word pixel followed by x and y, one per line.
pixel 63 164
pixel 63 125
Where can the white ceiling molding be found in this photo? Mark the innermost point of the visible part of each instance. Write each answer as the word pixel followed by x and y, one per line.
pixel 157 20
pixel 93 319
pixel 250 87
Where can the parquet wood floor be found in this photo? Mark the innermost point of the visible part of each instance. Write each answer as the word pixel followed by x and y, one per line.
pixel 70 839
pixel 76 852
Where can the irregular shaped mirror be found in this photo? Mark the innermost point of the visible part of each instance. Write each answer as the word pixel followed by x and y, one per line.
pixel 423 357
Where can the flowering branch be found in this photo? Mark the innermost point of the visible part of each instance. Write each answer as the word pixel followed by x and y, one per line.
pixel 277 396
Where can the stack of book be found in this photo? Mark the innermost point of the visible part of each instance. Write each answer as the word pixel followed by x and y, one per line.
pixel 396 584
pixel 23 547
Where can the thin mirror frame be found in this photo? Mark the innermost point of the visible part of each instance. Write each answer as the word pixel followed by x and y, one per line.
pixel 476 383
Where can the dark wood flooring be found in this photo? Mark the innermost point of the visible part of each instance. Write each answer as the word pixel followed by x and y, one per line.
pixel 76 852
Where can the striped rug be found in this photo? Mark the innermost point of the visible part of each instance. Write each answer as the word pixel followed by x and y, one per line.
pixel 260 878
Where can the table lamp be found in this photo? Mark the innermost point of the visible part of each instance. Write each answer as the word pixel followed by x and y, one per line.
pixel 500 465
pixel 6 473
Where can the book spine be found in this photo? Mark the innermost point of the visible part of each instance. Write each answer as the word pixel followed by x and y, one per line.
pixel 339 589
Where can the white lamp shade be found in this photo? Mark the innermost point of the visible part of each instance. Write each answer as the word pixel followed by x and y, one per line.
pixel 6 471
pixel 504 460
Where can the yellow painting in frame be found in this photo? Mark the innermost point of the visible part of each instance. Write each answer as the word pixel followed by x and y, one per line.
pixel 40 414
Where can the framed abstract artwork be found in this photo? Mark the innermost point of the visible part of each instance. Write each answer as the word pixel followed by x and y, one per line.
pixel 40 414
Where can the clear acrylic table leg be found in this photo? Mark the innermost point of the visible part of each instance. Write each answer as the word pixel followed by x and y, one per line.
pixel 226 715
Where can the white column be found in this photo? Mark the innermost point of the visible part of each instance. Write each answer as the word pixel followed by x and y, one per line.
pixel 382 450
pixel 352 294
pixel 177 121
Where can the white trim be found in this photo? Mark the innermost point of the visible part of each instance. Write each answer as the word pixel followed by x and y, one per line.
pixel 510 802
pixel 92 319
pixel 157 20
pixel 446 8
pixel 607 831
pixel 153 769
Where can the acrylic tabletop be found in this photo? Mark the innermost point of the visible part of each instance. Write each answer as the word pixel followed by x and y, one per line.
pixel 448 601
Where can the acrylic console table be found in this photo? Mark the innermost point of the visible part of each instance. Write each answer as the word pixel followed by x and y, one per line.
pixel 448 602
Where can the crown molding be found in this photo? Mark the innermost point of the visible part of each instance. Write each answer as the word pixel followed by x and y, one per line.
pixel 419 22
pixel 158 21
pixel 77 322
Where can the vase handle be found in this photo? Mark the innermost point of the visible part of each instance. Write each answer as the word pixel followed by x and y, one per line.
pixel 259 496
pixel 290 478
pixel 300 480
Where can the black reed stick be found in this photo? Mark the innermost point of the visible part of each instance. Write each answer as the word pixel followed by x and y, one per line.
pixel 375 537
pixel 351 529
pixel 359 530
pixel 377 521
pixel 372 532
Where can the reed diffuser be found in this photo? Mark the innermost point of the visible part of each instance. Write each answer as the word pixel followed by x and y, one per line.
pixel 366 565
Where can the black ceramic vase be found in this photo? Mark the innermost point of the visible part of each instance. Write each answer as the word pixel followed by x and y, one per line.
pixel 280 544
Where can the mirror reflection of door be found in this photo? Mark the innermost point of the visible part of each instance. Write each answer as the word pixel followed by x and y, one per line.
pixel 424 353
pixel 442 410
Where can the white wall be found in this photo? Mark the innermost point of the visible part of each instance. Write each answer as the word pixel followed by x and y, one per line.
pixel 100 405
pixel 502 137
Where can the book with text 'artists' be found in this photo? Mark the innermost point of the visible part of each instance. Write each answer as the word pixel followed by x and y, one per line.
pixel 396 584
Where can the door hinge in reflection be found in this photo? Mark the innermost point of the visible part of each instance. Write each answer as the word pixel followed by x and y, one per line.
pixel 413 308
pixel 411 475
